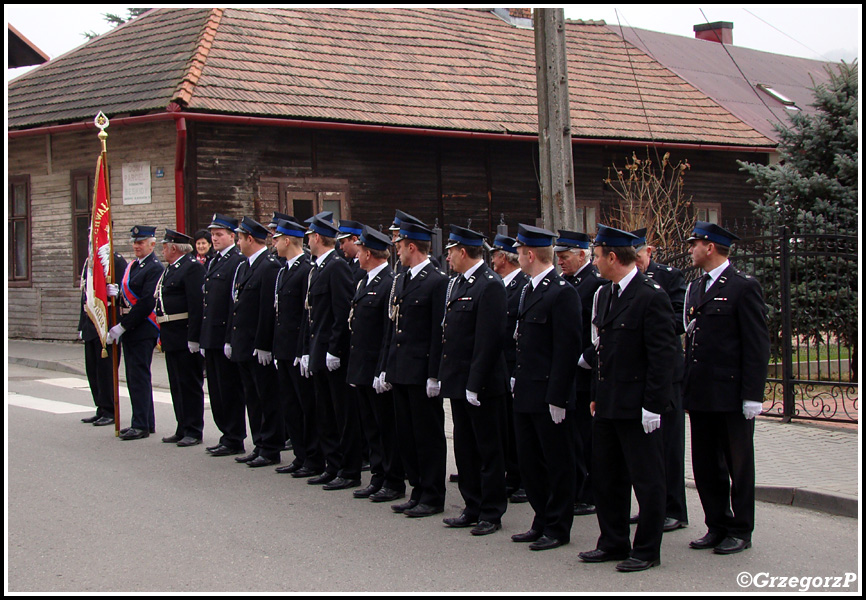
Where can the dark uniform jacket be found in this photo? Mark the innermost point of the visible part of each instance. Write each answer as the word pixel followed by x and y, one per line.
pixel 368 321
pixel 251 319
pixel 473 337
pixel 180 292
pixel 549 336
pixel 512 303
pixel 85 325
pixel 586 282
pixel 673 282
pixel 636 348
pixel 143 277
pixel 727 343
pixel 327 328
pixel 413 347
pixel 219 272
pixel 289 296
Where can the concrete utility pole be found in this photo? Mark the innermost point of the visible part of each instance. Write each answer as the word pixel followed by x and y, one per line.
pixel 554 120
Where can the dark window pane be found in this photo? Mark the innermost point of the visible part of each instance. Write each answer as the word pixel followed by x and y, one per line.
pixel 81 196
pixel 20 196
pixel 21 258
pixel 82 227
pixel 302 209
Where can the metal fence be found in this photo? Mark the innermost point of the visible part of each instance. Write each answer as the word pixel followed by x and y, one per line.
pixel 811 287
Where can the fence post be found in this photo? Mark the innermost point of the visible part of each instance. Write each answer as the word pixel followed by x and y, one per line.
pixel 788 390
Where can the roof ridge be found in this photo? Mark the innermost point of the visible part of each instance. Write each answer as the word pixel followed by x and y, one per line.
pixel 185 89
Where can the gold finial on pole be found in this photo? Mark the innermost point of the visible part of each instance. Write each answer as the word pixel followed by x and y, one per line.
pixel 101 121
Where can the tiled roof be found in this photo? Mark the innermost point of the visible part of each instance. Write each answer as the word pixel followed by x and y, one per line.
pixel 454 69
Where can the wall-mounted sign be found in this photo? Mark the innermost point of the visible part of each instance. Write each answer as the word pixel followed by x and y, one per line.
pixel 136 183
pixel 160 172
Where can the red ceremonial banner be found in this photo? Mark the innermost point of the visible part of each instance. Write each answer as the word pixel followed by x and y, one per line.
pixel 99 257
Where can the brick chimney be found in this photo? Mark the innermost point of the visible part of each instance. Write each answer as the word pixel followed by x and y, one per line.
pixel 720 32
pixel 520 13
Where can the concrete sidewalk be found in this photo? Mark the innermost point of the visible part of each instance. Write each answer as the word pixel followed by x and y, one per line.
pixel 801 464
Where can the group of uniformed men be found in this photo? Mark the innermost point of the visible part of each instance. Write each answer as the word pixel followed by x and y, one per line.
pixel 551 378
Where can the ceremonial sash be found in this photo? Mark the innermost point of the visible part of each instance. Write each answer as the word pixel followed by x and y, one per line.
pixel 131 298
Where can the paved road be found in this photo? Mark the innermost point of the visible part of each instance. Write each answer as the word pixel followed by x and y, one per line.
pixel 89 513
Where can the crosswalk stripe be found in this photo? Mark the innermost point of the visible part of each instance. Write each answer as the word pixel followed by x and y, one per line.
pixel 52 406
pixel 74 383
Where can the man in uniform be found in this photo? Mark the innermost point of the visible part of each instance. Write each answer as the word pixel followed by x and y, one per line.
pixel 673 283
pixel 636 346
pixel 327 349
pixel 249 342
pixel 178 312
pixel 350 231
pixel 727 351
pixel 548 332
pixel 368 319
pixel 223 377
pixel 505 263
pixel 573 253
pixel 473 375
pixel 100 371
pixel 410 362
pixel 138 330
pixel 296 391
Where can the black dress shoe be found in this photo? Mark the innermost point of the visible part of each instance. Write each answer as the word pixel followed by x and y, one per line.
pixel 485 528
pixel 711 540
pixel 454 477
pixel 423 510
pixel 172 439
pixel 323 478
pixel 225 451
pixel 732 545
pixel 387 495
pixel 529 536
pixel 290 468
pixel 92 419
pixel 305 472
pixel 632 564
pixel 632 520
pixel 212 448
pixel 598 556
pixel 134 434
pixel 341 483
pixel 365 466
pixel 672 524
pixel 463 520
pixel 188 441
pixel 246 457
pixel 367 491
pixel 401 508
pixel 261 461
pixel 547 543
pixel 519 497
pixel 102 421
pixel 582 508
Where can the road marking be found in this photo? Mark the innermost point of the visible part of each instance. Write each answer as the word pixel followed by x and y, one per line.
pixel 52 406
pixel 74 383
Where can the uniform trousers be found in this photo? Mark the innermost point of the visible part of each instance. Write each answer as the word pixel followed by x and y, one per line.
pixel 420 425
pixel 377 423
pixel 100 375
pixel 546 453
pixel 226 398
pixel 478 450
pixel 299 409
pixel 339 427
pixel 513 481
pixel 627 456
pixel 137 357
pixel 674 441
pixel 186 380
pixel 723 461
pixel 261 393
pixel 582 423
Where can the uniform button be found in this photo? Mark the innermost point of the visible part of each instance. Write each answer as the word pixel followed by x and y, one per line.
pixel 398 345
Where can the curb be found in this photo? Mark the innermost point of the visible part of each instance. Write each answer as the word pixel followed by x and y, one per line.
pixel 50 365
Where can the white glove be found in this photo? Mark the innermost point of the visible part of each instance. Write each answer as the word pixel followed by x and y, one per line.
pixel 332 362
pixel 201 351
pixel 297 361
pixel 752 409
pixel 80 336
pixel 112 289
pixel 432 387
pixel 377 385
pixel 386 387
pixel 305 366
pixel 227 350
pixel 557 414
pixel 193 347
pixel 472 398
pixel 512 385
pixel 265 358
pixel 114 334
pixel 583 364
pixel 650 420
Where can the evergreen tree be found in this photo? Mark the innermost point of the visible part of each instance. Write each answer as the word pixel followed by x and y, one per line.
pixel 814 190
